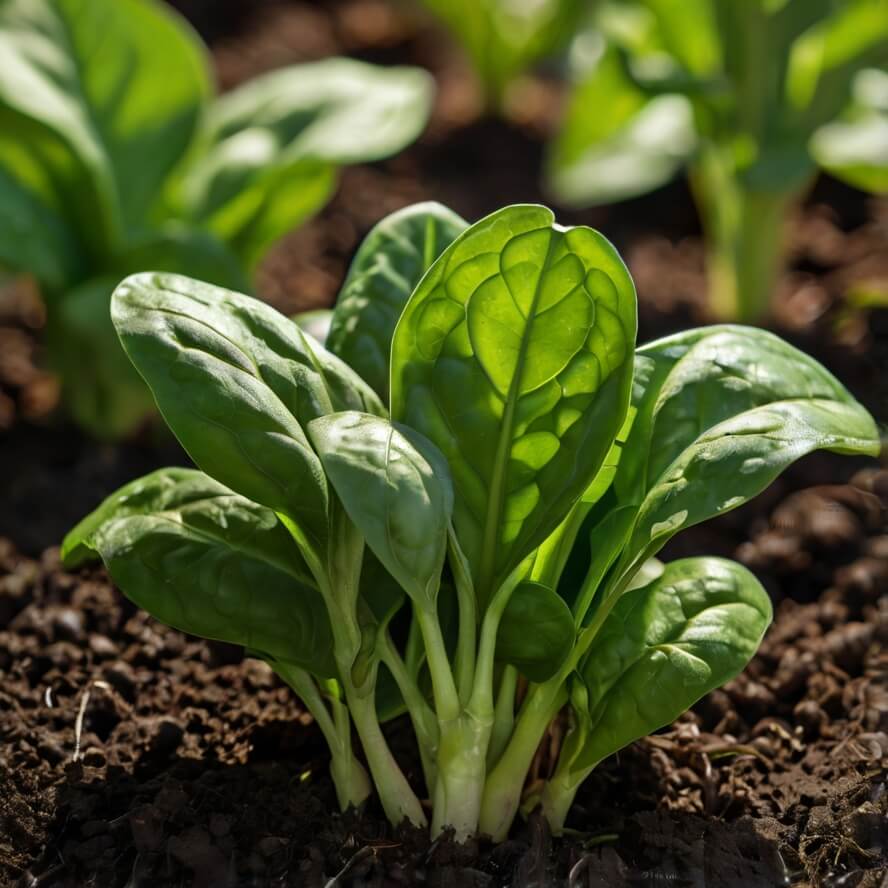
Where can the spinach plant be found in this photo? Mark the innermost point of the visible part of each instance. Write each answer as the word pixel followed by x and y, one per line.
pixel 751 95
pixel 503 38
pixel 116 157
pixel 490 537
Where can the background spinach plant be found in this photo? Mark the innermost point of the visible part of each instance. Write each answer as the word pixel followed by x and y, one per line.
pixel 513 500
pixel 503 38
pixel 751 95
pixel 116 157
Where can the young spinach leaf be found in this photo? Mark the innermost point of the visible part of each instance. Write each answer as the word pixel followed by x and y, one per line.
pixel 665 645
pixel 536 632
pixel 391 261
pixel 395 487
pixel 205 560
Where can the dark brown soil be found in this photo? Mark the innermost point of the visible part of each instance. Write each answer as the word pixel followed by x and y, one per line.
pixel 133 755
pixel 196 768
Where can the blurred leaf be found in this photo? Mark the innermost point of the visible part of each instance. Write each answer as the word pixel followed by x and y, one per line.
pixel 274 144
pixel 86 120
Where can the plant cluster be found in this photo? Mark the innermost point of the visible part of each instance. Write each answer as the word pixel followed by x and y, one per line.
pixel 753 96
pixel 471 538
pixel 115 156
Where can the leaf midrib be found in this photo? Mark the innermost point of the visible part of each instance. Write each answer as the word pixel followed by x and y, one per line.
pixel 496 499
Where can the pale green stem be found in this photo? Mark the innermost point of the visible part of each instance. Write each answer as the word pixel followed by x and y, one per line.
pixel 503 715
pixel 461 745
pixel 398 799
pixel 349 777
pixel 744 230
pixel 558 795
pixel 338 584
pixel 443 686
pixel 464 660
pixel 422 716
pixel 504 785
pixel 462 758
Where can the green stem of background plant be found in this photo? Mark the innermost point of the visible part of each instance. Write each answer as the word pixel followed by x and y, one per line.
pixel 744 230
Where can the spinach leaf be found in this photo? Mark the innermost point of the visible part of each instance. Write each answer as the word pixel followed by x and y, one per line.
pixel 273 145
pixel 113 131
pixel 237 382
pixel 207 561
pixel 391 261
pixel 395 487
pixel 514 356
pixel 536 632
pixel 721 412
pixel 105 394
pixel 663 647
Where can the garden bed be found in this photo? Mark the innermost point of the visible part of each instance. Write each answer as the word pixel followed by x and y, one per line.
pixel 194 766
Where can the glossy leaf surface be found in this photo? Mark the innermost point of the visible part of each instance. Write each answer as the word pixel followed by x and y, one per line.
pixel 237 382
pixel 664 646
pixel 536 632
pixel 721 411
pixel 396 488
pixel 207 561
pixel 514 357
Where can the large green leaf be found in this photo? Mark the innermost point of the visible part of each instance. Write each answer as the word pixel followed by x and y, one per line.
pixel 392 259
pixel 207 561
pixel 99 100
pixel 396 488
pixel 514 356
pixel 662 648
pixel 273 144
pixel 721 412
pixel 536 632
pixel 505 37
pixel 237 382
